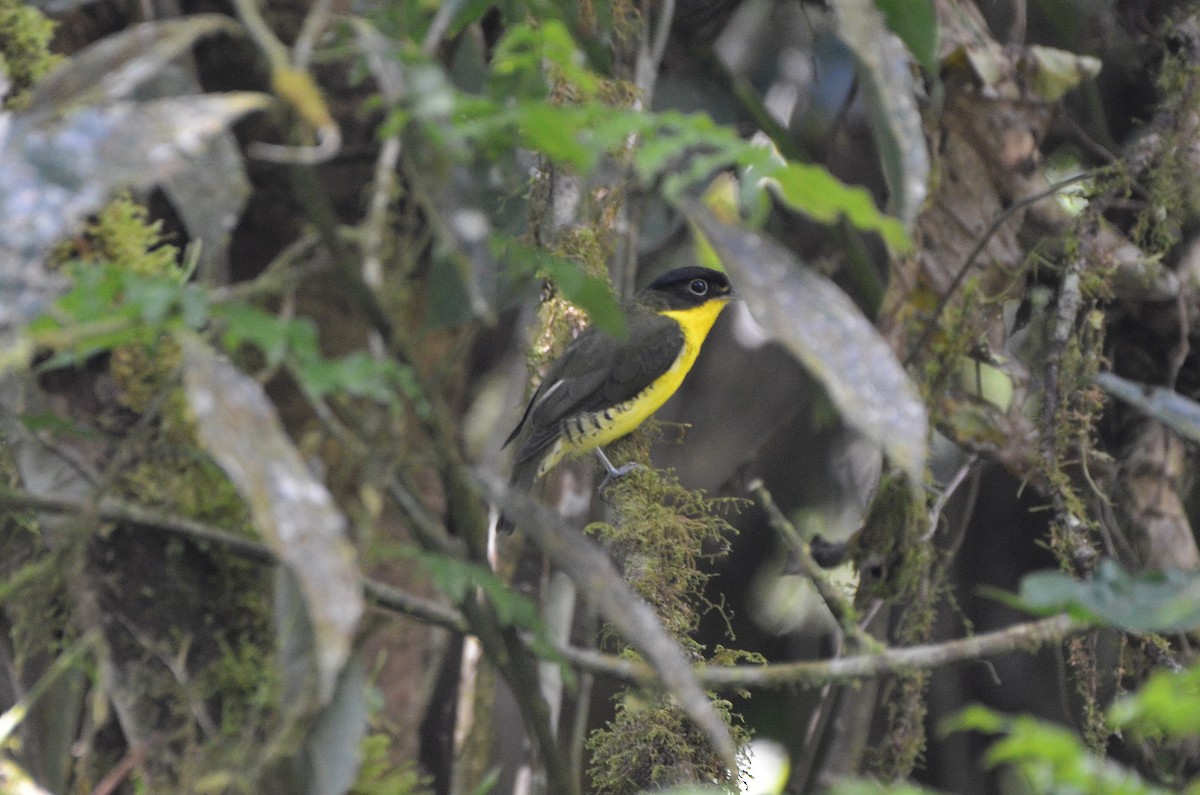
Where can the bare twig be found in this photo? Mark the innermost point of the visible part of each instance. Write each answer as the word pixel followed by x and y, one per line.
pixel 445 14
pixel 816 673
pixel 375 226
pixel 112 510
pixel 839 606
pixel 992 229
pixel 314 24
pixel 939 505
pixel 808 673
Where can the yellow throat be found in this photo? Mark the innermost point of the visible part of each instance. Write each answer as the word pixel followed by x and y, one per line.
pixel 585 433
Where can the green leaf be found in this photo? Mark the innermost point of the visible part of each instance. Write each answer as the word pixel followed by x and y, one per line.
pixel 245 324
pixel 459 580
pixel 194 306
pixel 521 57
pixel 1167 704
pixel 819 324
pixel 974 718
pixel 1167 601
pixel 591 294
pixel 544 129
pixel 815 192
pixel 915 22
pixel 1051 757
pixel 154 298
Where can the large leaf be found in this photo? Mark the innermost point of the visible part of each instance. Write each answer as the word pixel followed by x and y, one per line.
pixel 81 138
pixel 334 747
pixel 211 188
pixel 1166 601
pixel 889 88
pixel 915 22
pixel 811 317
pixel 297 517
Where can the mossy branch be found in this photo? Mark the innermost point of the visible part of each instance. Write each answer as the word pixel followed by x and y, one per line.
pixel 808 673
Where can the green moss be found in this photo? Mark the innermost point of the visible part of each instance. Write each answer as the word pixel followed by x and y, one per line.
pixel 25 55
pixel 651 745
pixel 662 535
pixel 123 235
pixel 889 547
pixel 245 679
pixel 379 775
pixel 900 567
pixel 204 608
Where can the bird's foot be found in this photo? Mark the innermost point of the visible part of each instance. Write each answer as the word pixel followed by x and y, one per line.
pixel 612 472
pixel 618 472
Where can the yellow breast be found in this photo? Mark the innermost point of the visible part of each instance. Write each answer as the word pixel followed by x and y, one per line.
pixel 585 432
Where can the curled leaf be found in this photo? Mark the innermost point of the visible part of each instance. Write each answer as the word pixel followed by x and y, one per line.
pixel 890 91
pixel 113 67
pixel 82 138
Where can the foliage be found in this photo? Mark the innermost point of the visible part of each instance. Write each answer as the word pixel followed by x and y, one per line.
pixel 1052 759
pixel 379 775
pixel 25 55
pixel 344 392
pixel 660 534
pixel 1156 601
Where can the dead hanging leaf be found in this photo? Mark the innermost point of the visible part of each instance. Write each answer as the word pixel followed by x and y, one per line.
pixel 811 317
pixel 82 138
pixel 53 175
pixel 211 189
pixel 890 90
pixel 297 517
pixel 1044 73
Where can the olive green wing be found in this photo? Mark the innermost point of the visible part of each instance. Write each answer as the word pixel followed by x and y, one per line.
pixel 595 372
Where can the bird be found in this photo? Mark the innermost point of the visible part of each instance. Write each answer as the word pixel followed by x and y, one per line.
pixel 602 388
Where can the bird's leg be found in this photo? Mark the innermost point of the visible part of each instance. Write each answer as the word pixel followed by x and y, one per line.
pixel 614 472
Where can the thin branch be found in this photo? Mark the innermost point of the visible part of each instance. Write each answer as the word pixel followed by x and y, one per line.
pixel 650 54
pixel 809 673
pixel 843 611
pixel 447 11
pixel 999 221
pixel 375 226
pixel 817 673
pixel 939 505
pixel 314 24
pixel 112 510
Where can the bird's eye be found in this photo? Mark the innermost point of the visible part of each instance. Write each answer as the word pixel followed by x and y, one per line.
pixel 698 287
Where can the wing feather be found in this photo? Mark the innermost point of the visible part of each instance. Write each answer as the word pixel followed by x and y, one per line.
pixel 594 372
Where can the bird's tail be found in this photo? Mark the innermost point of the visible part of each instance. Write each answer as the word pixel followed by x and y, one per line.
pixel 523 475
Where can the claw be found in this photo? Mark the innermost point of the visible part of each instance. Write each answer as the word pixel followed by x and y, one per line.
pixel 614 473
